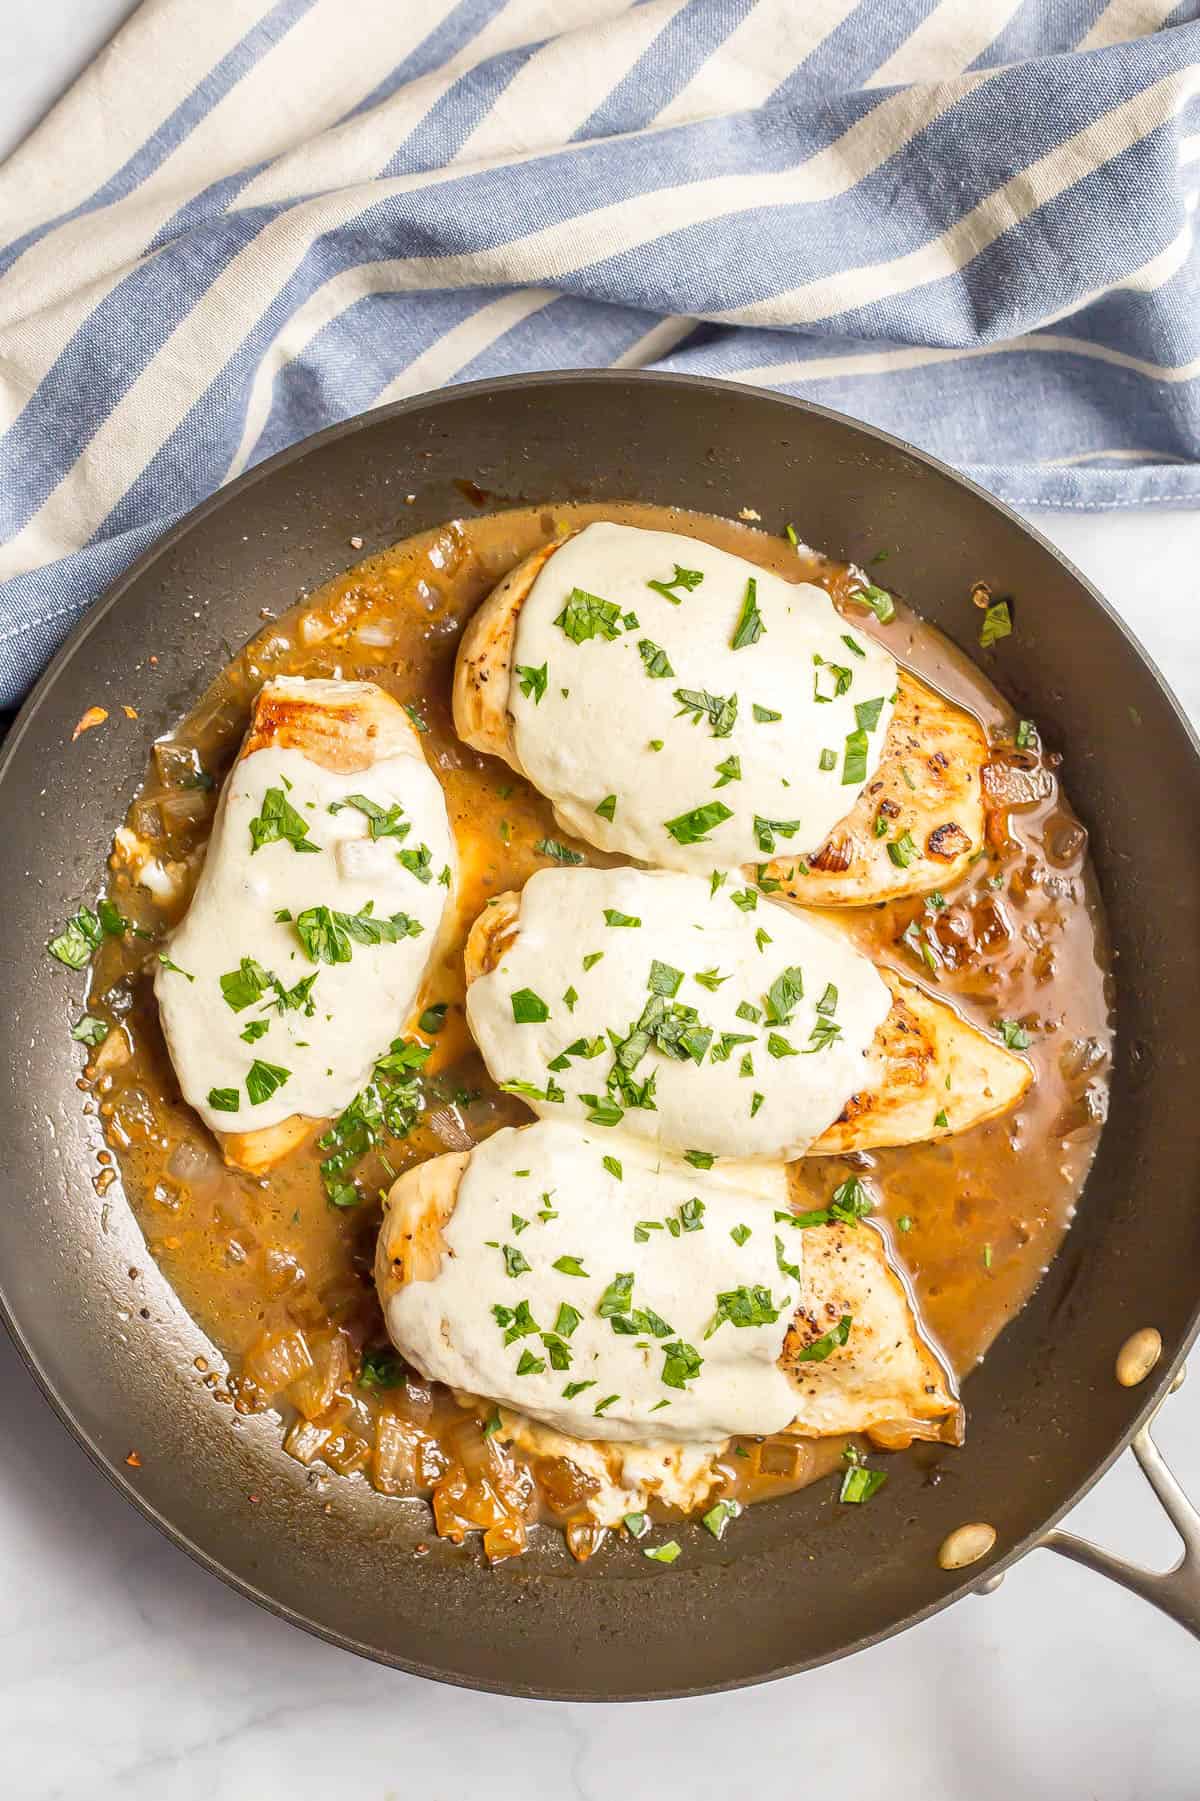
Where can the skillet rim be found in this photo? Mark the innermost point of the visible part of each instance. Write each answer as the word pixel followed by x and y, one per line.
pixel 99 610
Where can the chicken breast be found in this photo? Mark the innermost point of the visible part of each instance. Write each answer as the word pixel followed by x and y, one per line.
pixel 313 920
pixel 729 1318
pixel 910 824
pixel 762 1080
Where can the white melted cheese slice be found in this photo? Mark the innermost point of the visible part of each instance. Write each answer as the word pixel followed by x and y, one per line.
pixel 542 1204
pixel 762 1088
pixel 357 1006
pixel 813 702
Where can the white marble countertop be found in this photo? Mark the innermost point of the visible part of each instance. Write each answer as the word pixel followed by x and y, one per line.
pixel 127 1672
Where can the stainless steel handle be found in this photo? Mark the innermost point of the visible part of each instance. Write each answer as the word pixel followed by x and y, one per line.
pixel 1177 1590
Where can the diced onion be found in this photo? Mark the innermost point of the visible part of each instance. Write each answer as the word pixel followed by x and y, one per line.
pixel 379 632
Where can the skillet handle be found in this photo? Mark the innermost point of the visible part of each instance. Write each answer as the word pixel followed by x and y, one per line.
pixel 1177 1590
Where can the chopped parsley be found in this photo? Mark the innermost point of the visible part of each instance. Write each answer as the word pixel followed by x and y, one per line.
pixel 739 1234
pixel 600 1406
pixel 824 1034
pixel 1026 734
pixel 997 623
pixel 254 1031
pixel 694 827
pixel 657 662
pixel 262 1079
pixel 78 939
pixel 765 831
pixel 418 863
pixel 1014 1034
pixel 837 673
pixel 587 616
pixel 636 1524
pixel 728 771
pixel 614 918
pixel 662 1553
pixel 592 958
pixel 750 627
pixel 533 681
pixel 571 1266
pixel 278 821
pixel 614 1167
pixel 902 850
pixel 764 715
pixel 515 1263
pixel 381 1368
pixel 551 1092
pixel 433 1018
pixel 224 1100
pixel 90 1030
pixel 866 713
pixel 778 1046
pixel 558 853
pixel 570 997
pixel 744 1307
pixel 687 579
pixel 823 1347
pixel 246 984
pixel 720 1514
pixel 528 1008
pixel 607 807
pixel 576 1388
pixel 720 710
pixel 854 764
pixel 859 1483
pixel 664 979
pixel 617 1297
pixel 709 978
pixel 827 760
pixel 326 935
pixel 783 996
pixel 940 1119
pixel 174 967
pixel 878 600
pixel 382 822
pixel 681 1364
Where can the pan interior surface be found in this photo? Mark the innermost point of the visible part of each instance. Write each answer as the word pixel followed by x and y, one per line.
pixel 801 1581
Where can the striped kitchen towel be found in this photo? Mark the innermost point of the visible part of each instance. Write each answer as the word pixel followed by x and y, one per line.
pixel 969 221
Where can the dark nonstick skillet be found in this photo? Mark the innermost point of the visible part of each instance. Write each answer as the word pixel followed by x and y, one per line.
pixel 800 1582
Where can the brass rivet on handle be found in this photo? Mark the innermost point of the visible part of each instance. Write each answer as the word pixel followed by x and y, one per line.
pixel 1138 1356
pixel 965 1545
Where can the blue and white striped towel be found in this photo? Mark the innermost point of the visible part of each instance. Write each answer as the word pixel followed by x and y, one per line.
pixel 967 220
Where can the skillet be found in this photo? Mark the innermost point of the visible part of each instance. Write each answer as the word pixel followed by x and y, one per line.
pixel 800 1583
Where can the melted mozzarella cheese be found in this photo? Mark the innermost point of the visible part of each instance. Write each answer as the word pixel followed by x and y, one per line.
pixel 327 1045
pixel 761 1087
pixel 501 1252
pixel 585 737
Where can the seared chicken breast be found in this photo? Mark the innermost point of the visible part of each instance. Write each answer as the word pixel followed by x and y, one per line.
pixel 850 779
pixel 729 1319
pixel 799 1044
pixel 315 914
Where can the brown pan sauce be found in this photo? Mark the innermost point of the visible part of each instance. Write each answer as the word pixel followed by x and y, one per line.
pixel 281 1280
